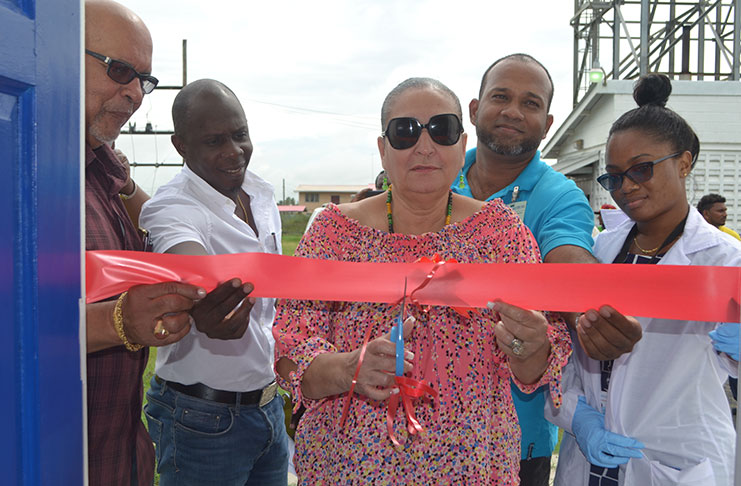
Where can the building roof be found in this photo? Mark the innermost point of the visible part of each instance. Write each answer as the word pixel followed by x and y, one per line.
pixel 581 111
pixel 291 209
pixel 328 188
pixel 570 161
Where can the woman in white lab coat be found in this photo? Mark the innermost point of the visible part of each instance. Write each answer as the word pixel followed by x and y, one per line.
pixel 658 413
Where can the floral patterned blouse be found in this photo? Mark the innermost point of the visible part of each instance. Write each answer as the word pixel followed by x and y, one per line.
pixel 471 433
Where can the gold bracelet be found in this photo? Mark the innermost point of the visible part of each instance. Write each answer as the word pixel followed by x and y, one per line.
pixel 118 324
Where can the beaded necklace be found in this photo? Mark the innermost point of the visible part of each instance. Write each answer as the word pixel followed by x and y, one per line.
pixel 391 218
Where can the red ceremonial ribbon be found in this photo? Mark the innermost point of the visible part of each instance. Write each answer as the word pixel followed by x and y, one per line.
pixel 661 291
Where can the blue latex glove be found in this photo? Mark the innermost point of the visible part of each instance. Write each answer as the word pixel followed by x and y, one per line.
pixel 601 447
pixel 725 339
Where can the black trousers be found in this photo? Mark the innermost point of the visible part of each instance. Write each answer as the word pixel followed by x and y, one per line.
pixel 535 471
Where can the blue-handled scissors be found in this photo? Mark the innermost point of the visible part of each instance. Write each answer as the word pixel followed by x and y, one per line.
pixel 397 334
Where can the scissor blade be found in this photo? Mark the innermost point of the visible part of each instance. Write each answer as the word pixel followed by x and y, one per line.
pixel 404 301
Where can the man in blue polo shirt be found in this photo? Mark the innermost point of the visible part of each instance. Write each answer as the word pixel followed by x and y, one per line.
pixel 511 118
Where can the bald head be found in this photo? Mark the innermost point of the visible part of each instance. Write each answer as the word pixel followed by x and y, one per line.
pixel 211 134
pixel 200 93
pixel 105 18
pixel 112 31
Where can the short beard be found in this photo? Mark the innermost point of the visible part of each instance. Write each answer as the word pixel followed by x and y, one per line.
pixel 100 135
pixel 529 145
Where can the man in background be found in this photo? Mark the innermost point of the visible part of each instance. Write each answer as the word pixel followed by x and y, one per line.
pixel 511 116
pixel 713 209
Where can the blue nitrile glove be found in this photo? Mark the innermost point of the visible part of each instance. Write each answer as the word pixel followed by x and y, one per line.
pixel 601 447
pixel 725 339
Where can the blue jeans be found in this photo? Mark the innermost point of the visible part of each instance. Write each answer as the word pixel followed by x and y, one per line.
pixel 199 442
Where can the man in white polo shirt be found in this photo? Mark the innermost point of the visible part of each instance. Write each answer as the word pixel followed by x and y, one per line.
pixel 213 412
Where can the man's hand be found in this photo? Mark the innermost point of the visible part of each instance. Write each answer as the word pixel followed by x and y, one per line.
pixel 130 186
pixel 225 312
pixel 607 334
pixel 164 306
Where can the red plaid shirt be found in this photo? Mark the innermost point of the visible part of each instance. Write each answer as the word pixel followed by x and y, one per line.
pixel 114 375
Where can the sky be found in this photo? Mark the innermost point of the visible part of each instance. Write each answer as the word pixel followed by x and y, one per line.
pixel 312 76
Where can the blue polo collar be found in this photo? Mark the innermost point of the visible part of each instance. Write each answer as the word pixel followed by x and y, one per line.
pixel 525 181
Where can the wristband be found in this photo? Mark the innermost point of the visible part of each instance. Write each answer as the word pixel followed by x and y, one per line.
pixel 118 324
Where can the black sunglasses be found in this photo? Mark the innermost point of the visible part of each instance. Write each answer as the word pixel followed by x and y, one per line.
pixel 638 173
pixel 123 72
pixel 404 132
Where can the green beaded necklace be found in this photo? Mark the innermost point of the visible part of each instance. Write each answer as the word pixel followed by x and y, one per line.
pixel 391 218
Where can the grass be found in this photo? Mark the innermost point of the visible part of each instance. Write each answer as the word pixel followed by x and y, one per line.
pixel 293 229
pixel 147 377
pixel 294 223
pixel 289 243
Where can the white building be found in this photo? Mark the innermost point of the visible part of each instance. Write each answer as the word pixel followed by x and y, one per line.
pixel 712 108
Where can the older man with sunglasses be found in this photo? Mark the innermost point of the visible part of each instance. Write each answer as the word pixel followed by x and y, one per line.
pixel 511 118
pixel 117 65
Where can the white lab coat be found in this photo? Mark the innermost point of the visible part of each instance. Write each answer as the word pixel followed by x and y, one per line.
pixel 668 392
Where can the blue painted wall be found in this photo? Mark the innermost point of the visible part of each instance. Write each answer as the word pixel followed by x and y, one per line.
pixel 41 407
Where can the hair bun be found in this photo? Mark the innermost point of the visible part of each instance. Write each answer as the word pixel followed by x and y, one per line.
pixel 652 89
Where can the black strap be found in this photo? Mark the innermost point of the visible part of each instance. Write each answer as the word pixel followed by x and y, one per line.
pixel 676 232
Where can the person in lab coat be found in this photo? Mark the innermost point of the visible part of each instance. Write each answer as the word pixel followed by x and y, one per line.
pixel 657 415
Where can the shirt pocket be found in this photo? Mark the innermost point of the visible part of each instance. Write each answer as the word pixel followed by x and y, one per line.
pixel 639 470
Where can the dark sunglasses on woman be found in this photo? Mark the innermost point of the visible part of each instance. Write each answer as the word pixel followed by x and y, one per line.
pixel 403 133
pixel 638 173
pixel 123 72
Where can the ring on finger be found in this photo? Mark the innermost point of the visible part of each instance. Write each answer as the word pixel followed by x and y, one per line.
pixel 517 346
pixel 159 329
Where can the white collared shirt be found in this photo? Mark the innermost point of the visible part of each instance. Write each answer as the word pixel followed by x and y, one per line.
pixel 188 209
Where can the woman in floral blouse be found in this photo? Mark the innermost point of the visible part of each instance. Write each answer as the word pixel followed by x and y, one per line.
pixel 471 435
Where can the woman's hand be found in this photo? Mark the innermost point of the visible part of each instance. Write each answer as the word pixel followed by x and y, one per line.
pixel 376 376
pixel 332 373
pixel 523 336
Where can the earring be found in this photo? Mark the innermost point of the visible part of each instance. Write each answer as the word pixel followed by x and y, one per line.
pixel 461 181
pixel 385 185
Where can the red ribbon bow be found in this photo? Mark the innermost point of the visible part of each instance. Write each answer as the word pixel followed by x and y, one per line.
pixel 409 388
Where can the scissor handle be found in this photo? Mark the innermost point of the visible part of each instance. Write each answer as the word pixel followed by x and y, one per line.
pixel 397 336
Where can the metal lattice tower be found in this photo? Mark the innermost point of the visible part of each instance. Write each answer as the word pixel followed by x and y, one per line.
pixel 685 40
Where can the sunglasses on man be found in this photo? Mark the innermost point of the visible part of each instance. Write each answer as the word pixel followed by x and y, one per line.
pixel 403 133
pixel 123 72
pixel 638 173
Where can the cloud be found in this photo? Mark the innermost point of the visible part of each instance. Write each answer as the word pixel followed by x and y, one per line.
pixel 312 75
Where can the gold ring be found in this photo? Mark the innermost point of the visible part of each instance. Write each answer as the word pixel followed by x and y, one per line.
pixel 159 329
